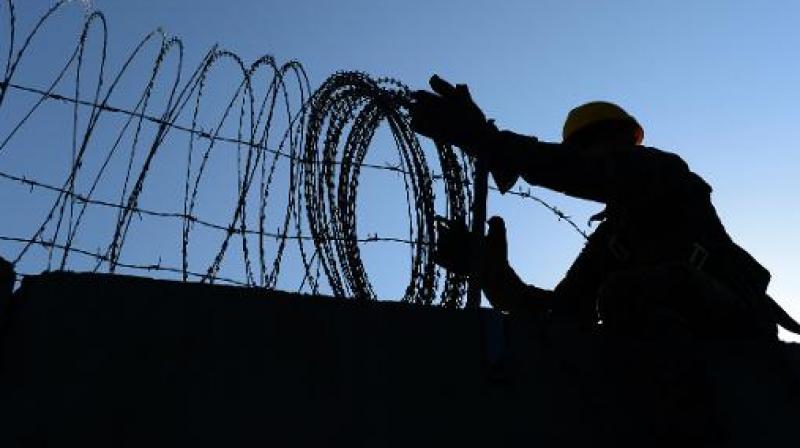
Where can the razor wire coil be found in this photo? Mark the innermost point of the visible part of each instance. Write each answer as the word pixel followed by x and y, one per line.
pixel 326 137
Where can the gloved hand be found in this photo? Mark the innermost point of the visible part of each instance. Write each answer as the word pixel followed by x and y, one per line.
pixel 449 115
pixel 499 282
pixel 495 246
pixel 453 248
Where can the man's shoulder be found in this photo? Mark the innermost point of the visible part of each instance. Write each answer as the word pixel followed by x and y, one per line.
pixel 648 161
pixel 670 171
pixel 668 163
pixel 664 157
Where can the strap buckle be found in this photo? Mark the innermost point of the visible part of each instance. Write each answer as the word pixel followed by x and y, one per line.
pixel 618 249
pixel 698 257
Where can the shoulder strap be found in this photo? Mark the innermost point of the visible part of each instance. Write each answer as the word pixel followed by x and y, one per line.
pixel 782 318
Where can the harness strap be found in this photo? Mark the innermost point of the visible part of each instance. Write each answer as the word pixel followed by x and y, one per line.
pixel 782 318
pixel 698 257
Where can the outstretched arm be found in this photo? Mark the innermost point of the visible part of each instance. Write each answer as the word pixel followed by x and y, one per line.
pixel 503 287
pixel 507 292
pixel 600 174
pixel 448 114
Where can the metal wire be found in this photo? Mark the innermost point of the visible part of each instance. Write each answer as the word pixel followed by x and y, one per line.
pixel 322 135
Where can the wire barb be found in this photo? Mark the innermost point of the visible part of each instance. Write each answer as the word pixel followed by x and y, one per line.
pixel 314 142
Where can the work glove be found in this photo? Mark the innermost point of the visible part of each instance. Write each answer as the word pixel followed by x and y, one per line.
pixel 449 115
pixel 495 245
pixel 499 282
pixel 453 247
pixel 452 250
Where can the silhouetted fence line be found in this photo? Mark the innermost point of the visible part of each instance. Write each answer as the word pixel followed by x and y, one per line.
pixel 323 135
pixel 192 218
pixel 203 134
pixel 98 256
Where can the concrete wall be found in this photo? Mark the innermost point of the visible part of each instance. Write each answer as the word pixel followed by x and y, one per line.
pixel 99 360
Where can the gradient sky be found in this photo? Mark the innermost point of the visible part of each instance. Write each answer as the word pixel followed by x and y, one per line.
pixel 715 82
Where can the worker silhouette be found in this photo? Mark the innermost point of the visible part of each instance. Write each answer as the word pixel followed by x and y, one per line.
pixel 660 251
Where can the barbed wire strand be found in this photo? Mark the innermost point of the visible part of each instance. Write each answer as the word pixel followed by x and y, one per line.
pixel 326 139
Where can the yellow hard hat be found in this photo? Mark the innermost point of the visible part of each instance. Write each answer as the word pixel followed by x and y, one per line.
pixel 596 112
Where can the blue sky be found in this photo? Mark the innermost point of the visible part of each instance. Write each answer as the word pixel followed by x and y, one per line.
pixel 714 81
